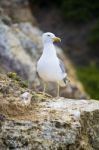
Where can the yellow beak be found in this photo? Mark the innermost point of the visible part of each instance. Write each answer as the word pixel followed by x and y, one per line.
pixel 56 39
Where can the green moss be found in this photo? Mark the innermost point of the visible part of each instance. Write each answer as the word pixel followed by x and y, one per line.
pixel 13 75
pixel 89 76
pixel 24 84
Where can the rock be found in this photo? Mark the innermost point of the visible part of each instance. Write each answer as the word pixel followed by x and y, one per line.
pixel 25 98
pixel 20 48
pixel 17 10
pixel 12 52
pixel 47 123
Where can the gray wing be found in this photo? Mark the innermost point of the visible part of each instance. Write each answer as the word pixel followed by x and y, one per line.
pixel 61 64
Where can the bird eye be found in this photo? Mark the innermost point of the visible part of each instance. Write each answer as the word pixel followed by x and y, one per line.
pixel 48 35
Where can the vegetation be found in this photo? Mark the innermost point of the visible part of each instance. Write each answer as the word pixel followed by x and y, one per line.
pixel 89 75
pixel 73 10
pixel 14 76
pixel 80 10
pixel 93 39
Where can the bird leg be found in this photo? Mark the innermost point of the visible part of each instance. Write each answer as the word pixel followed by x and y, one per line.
pixel 58 89
pixel 44 89
pixel 43 94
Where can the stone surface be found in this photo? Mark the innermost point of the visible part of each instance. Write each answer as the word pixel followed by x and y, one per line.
pixel 47 123
pixel 17 10
pixel 21 47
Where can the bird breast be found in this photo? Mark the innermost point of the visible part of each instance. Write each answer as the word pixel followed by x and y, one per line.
pixel 48 69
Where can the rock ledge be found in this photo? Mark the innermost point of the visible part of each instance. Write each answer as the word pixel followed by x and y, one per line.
pixel 47 123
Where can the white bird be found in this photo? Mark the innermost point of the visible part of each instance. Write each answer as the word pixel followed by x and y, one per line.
pixel 49 67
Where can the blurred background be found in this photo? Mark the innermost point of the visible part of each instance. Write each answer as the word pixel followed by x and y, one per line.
pixel 76 22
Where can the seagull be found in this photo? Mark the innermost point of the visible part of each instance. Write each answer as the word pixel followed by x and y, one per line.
pixel 49 67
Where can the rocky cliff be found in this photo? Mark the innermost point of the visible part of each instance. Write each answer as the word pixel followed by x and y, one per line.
pixel 39 122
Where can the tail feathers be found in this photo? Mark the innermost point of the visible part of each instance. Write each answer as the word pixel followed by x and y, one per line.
pixel 63 82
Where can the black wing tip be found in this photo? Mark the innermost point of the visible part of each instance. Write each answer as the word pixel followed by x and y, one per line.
pixel 66 80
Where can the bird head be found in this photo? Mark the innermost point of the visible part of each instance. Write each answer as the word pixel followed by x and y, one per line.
pixel 49 37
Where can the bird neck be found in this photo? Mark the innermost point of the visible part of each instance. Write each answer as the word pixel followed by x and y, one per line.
pixel 49 49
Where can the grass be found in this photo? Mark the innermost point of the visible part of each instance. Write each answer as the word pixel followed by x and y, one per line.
pixel 89 76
